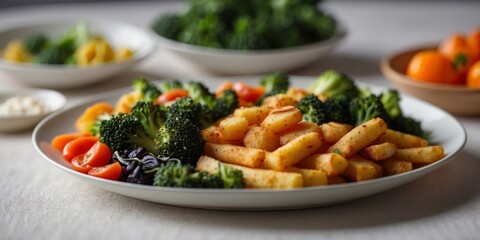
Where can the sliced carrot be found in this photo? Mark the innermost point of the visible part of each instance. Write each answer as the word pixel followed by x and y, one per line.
pixel 90 115
pixel 60 141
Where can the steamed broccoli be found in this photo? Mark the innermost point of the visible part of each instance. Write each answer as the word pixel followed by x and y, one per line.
pixel 181 138
pixel 150 115
pixel 125 132
pixel 176 174
pixel 149 91
pixel 186 108
pixel 409 125
pixel 52 55
pixel 169 26
pixel 337 109
pixel 332 83
pixel 200 93
pixel 95 127
pixel 225 104
pixel 275 83
pixel 313 109
pixel 391 102
pixel 364 109
pixel 35 42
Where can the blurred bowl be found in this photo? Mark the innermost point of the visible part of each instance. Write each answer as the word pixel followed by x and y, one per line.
pixel 458 100
pixel 249 62
pixel 118 34
pixel 50 99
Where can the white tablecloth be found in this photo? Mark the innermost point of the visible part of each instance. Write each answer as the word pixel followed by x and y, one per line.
pixel 38 201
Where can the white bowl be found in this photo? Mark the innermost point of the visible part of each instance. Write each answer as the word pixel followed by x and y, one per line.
pixel 118 34
pixel 52 100
pixel 240 62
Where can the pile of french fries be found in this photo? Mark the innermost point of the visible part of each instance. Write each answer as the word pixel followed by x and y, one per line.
pixel 275 149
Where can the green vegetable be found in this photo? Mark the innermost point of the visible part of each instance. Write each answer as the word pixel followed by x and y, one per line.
pixel 337 109
pixel 36 42
pixel 170 85
pixel 333 83
pixel 150 115
pixel 313 109
pixel 149 91
pixel 364 109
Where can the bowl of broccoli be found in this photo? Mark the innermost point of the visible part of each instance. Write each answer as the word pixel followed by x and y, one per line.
pixel 71 53
pixel 249 37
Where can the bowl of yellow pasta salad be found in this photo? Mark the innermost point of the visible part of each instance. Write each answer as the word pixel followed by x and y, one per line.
pixel 73 53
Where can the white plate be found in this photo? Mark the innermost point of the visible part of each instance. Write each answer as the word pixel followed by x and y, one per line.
pixel 52 100
pixel 447 131
pixel 118 34
pixel 235 62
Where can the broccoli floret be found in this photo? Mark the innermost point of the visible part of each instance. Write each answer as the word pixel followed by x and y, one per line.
pixel 74 37
pixel 364 109
pixel 226 104
pixel 313 109
pixel 409 125
pixel 200 93
pixel 170 85
pixel 185 107
pixel 125 132
pixel 95 127
pixel 206 31
pixel 168 25
pixel 36 42
pixel 337 109
pixel 149 91
pixel 332 83
pixel 52 55
pixel 246 35
pixel 180 138
pixel 151 116
pixel 275 83
pixel 391 102
pixel 176 174
pixel 231 177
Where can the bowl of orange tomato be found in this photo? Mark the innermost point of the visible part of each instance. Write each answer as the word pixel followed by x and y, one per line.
pixel 446 74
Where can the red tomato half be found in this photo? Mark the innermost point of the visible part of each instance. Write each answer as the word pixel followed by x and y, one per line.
pixel 78 146
pixel 111 171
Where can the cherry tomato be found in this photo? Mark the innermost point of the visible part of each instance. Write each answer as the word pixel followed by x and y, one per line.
pixel 111 171
pixel 171 95
pixel 473 77
pixel 78 146
pixel 432 66
pixel 246 92
pixel 98 155
pixel 60 141
pixel 78 164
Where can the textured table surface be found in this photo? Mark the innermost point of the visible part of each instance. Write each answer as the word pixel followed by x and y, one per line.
pixel 38 201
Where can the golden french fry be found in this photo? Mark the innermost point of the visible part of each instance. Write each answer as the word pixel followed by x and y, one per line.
pixel 255 115
pixel 336 180
pixel 261 138
pixel 233 128
pixel 359 137
pixel 213 135
pixel 402 140
pixel 330 163
pixel 380 151
pixel 361 169
pixel 421 155
pixel 299 129
pixel 393 166
pixel 278 101
pixel 256 178
pixel 282 119
pixel 297 93
pixel 333 131
pixel 311 177
pixel 294 151
pixel 249 157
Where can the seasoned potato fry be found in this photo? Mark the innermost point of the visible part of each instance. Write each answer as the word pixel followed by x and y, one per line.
pixel 333 131
pixel 256 178
pixel 249 157
pixel 380 151
pixel 213 135
pixel 297 93
pixel 282 119
pixel 359 137
pixel 392 166
pixel 233 128
pixel 330 163
pixel 294 151
pixel 421 155
pixel 402 140
pixel 311 177
pixel 255 115
pixel 261 138
pixel 278 101
pixel 361 169
pixel 336 180
pixel 299 129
